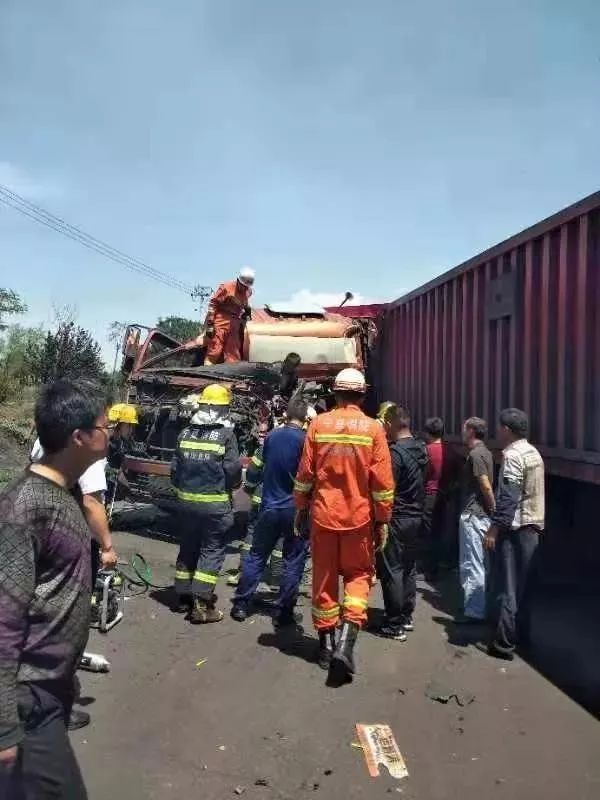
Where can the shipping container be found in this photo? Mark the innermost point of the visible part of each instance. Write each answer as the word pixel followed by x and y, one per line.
pixel 517 325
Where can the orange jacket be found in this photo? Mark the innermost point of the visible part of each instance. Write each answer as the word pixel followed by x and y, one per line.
pixel 229 300
pixel 345 474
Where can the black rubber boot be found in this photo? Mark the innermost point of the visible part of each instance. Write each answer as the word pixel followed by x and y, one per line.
pixel 326 647
pixel 204 612
pixel 182 604
pixel 239 613
pixel 342 667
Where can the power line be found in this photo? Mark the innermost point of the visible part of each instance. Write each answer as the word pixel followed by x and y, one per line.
pixel 36 213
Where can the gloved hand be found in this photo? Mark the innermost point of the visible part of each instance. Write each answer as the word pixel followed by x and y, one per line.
pixel 301 527
pixel 380 536
pixel 210 331
pixel 247 313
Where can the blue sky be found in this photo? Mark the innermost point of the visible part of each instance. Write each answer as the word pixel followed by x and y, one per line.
pixel 331 145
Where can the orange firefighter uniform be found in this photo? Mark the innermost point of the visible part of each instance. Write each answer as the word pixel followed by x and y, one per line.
pixel 226 309
pixel 345 478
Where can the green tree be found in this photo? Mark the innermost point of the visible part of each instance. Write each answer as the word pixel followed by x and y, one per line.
pixel 20 350
pixel 10 303
pixel 179 328
pixel 70 352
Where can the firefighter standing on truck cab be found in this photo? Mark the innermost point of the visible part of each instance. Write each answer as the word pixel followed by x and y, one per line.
pixel 228 308
pixel 345 480
pixel 205 470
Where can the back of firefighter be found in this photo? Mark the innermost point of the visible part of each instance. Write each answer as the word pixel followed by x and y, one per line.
pixel 281 456
pixel 205 470
pixel 228 308
pixel 345 480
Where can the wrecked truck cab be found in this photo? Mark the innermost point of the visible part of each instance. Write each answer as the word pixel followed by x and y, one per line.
pixel 284 351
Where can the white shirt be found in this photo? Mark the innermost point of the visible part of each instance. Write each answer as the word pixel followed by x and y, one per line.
pixel 93 479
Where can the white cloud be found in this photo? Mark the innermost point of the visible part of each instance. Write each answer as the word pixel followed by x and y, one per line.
pixel 306 298
pixel 18 181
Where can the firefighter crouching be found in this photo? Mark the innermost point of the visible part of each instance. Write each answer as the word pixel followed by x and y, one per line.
pixel 228 309
pixel 345 480
pixel 205 470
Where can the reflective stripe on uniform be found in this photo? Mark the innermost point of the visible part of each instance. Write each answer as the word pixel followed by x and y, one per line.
pixel 383 496
pixel 343 438
pixel 245 547
pixel 206 577
pixel 356 602
pixel 256 499
pixel 277 553
pixel 198 497
pixel 256 461
pixel 305 488
pixel 210 447
pixel 326 613
pixel 183 575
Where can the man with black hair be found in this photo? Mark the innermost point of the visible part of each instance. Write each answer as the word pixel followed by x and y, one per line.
pixel 45 585
pixel 279 463
pixel 477 506
pixel 517 523
pixel 397 561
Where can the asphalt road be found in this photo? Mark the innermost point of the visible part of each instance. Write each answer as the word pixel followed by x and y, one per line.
pixel 256 719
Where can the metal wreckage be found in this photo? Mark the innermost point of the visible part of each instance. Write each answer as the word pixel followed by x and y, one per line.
pixel 285 352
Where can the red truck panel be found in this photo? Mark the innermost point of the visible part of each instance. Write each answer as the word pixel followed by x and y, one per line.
pixel 518 325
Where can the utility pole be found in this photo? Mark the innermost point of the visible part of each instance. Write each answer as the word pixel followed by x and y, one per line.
pixel 202 295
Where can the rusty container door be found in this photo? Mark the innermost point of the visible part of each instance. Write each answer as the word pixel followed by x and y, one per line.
pixel 518 325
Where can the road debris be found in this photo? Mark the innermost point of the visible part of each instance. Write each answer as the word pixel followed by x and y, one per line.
pixel 202 661
pixel 328 772
pixel 261 782
pixel 443 694
pixel 239 790
pixel 380 747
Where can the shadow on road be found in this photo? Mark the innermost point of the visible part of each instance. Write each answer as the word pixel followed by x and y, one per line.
pixel 291 642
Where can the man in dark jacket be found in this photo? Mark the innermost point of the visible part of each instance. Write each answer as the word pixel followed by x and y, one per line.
pixel 205 470
pixel 279 463
pixel 397 561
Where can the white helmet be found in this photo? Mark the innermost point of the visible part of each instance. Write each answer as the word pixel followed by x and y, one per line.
pixel 246 276
pixel 350 380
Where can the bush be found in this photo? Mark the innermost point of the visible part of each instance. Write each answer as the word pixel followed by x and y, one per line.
pixel 10 388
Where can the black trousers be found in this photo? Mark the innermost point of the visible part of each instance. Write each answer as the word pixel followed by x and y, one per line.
pixel 397 570
pixel 46 767
pixel 202 545
pixel 432 532
pixel 514 561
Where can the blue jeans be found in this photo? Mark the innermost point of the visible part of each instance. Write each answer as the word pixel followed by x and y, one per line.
pixel 272 524
pixel 473 564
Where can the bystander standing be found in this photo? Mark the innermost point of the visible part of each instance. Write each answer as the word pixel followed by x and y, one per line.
pixel 45 584
pixel 477 507
pixel 397 561
pixel 515 531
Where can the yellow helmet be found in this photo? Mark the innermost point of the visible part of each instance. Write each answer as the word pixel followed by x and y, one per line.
pixel 123 412
pixel 386 410
pixel 215 395
pixel 114 412
pixel 129 414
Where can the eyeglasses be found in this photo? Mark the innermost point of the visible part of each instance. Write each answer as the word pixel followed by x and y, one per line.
pixel 108 428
